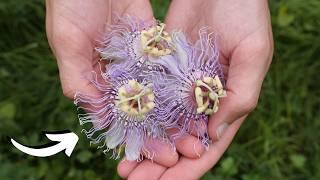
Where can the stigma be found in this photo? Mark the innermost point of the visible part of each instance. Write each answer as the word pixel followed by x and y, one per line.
pixel 155 41
pixel 135 99
pixel 207 93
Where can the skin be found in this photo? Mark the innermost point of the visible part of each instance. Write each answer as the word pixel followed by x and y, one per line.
pixel 246 48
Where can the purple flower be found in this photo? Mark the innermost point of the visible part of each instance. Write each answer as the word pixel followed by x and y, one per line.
pixel 190 89
pixel 123 116
pixel 132 45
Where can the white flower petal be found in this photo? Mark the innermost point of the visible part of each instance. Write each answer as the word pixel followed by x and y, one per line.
pixel 180 43
pixel 134 144
pixel 115 136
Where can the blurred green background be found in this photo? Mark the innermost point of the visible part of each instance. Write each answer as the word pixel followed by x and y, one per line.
pixel 280 139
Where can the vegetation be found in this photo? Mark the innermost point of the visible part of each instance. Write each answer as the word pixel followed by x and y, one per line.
pixel 280 139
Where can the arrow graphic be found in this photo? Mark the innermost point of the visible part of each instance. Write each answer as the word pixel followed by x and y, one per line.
pixel 61 140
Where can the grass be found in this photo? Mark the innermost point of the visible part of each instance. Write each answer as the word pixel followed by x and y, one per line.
pixel 280 139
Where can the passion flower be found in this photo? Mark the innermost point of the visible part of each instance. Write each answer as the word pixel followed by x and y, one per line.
pixel 135 45
pixel 123 116
pixel 192 85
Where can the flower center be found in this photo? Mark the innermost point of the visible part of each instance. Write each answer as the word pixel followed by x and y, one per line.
pixel 135 99
pixel 207 94
pixel 155 41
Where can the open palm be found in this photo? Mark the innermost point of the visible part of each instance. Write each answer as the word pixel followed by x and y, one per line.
pixel 244 37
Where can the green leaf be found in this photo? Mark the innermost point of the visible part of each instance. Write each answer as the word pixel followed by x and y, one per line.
pixel 251 177
pixel 284 18
pixel 297 160
pixel 7 110
pixel 229 167
pixel 42 169
pixel 89 174
pixel 208 176
pixel 84 156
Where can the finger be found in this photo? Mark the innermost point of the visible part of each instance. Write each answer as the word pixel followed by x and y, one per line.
pixel 161 152
pixel 147 170
pixel 187 145
pixel 133 9
pixel 165 156
pixel 125 167
pixel 247 70
pixel 190 20
pixel 188 168
pixel 198 128
pixel 227 113
pixel 190 146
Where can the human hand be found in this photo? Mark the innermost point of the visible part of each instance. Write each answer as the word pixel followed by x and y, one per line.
pixel 73 27
pixel 246 47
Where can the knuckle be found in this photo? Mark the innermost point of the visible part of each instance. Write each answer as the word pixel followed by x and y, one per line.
pixel 250 103
pixel 247 103
pixel 263 46
pixel 69 93
pixel 70 37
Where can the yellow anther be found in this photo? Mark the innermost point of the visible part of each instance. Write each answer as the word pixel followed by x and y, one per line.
pixel 202 108
pixel 198 95
pixel 134 111
pixel 144 110
pixel 198 82
pixel 167 51
pixel 222 93
pixel 154 51
pixel 208 112
pixel 219 84
pixel 214 90
pixel 208 80
pixel 135 85
pixel 122 92
pixel 125 107
pixel 135 99
pixel 150 96
pixel 150 105
pixel 151 40
pixel 215 106
pixel 213 96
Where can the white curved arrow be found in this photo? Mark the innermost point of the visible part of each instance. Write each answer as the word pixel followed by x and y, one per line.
pixel 67 141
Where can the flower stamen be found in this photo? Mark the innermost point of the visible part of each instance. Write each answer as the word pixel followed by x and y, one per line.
pixel 155 41
pixel 135 99
pixel 207 94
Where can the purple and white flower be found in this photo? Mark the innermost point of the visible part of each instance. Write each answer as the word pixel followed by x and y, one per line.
pixel 135 45
pixel 190 89
pixel 123 116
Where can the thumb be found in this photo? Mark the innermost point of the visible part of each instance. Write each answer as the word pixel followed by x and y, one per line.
pixel 248 66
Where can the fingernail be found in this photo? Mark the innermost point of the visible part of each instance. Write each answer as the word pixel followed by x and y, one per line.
pixel 221 129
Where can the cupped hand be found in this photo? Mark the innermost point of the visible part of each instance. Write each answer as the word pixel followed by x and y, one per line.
pixel 244 37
